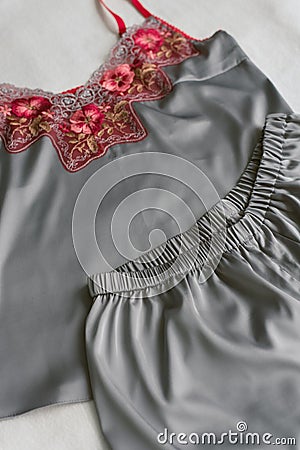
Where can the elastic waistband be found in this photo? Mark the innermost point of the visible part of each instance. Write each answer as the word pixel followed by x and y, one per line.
pixel 230 222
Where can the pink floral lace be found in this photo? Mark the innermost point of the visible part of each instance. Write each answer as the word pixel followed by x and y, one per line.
pixel 84 122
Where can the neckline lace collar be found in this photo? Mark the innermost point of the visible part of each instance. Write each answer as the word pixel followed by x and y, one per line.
pixel 84 122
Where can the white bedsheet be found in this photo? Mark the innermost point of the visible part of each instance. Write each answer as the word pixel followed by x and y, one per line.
pixel 56 45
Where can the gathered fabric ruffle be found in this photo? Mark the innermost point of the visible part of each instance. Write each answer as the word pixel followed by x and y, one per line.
pixel 235 219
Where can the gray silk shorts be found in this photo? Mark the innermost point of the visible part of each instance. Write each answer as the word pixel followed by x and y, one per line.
pixel 198 341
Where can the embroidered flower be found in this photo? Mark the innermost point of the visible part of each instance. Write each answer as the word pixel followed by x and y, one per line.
pixel 149 39
pixel 64 127
pixel 88 120
pixel 118 79
pixel 29 107
pixel 5 110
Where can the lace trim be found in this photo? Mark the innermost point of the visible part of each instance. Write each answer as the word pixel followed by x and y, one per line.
pixel 84 122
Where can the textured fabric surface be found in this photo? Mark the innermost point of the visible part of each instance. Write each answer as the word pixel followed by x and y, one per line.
pixel 268 32
pixel 212 118
pixel 222 298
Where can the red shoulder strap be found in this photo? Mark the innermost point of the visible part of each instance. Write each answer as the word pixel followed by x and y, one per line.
pixel 118 19
pixel 141 8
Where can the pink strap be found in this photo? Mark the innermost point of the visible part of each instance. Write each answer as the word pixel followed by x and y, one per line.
pixel 141 8
pixel 118 19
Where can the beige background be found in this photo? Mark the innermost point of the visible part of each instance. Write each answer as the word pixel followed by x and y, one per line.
pixel 56 45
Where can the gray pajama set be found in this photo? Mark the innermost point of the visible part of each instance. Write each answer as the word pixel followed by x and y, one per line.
pixel 198 332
